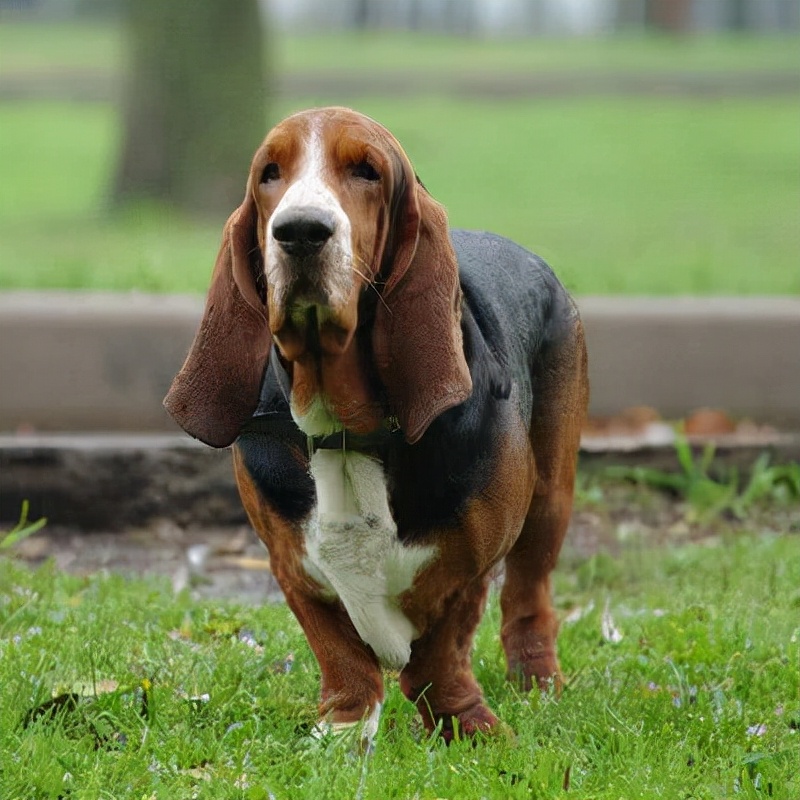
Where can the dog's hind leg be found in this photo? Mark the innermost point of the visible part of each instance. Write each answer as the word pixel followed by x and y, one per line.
pixel 529 624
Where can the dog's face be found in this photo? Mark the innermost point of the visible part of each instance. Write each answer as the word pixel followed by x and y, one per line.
pixel 324 186
pixel 332 210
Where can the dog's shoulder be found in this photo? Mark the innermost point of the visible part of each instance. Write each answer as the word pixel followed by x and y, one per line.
pixel 513 294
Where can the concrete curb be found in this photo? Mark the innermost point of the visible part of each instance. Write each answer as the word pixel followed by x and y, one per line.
pixel 92 362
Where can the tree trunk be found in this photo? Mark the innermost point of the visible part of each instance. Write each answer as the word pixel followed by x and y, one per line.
pixel 361 15
pixel 673 16
pixel 194 104
pixel 738 15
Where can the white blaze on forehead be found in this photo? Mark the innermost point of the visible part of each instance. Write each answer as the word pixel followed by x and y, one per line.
pixel 310 190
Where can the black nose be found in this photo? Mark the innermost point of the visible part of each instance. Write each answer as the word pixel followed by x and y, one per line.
pixel 303 231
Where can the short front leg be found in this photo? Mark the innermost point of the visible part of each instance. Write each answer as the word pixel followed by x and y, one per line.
pixel 352 684
pixel 439 677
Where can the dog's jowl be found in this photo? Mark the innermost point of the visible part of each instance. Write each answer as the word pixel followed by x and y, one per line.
pixel 404 403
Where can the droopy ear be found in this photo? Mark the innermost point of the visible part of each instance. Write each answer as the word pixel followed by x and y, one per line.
pixel 218 386
pixel 417 337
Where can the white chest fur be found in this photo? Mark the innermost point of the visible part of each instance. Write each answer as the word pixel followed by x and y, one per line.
pixel 353 550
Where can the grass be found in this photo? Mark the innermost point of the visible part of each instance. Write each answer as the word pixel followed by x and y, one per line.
pixel 366 51
pixel 162 696
pixel 35 47
pixel 22 530
pixel 621 195
pixel 631 195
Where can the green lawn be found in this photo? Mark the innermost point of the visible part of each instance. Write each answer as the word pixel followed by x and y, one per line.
pixel 33 47
pixel 622 195
pixel 368 51
pixel 166 697
pixel 632 195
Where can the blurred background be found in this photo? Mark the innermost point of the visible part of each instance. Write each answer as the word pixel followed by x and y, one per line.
pixel 640 146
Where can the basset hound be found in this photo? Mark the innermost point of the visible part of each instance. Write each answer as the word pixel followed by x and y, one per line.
pixel 404 403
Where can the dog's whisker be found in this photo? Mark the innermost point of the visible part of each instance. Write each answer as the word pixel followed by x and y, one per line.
pixel 370 282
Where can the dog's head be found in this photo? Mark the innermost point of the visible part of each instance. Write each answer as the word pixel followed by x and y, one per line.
pixel 333 221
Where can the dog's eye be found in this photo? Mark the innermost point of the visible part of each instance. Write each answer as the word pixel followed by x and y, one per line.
pixel 365 171
pixel 271 173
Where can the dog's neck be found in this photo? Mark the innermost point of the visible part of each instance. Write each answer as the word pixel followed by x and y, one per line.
pixel 328 395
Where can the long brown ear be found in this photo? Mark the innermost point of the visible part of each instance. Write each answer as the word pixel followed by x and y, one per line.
pixel 218 386
pixel 417 337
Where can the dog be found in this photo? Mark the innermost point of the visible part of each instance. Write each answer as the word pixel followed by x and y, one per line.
pixel 404 403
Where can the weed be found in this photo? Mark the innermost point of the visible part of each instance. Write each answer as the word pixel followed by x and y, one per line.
pixel 709 497
pixel 22 529
pixel 778 483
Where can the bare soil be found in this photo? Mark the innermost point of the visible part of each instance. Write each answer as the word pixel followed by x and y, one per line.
pixel 230 561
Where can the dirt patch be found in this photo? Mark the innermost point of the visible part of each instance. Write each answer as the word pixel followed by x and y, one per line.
pixel 230 561
pixel 114 483
pixel 211 562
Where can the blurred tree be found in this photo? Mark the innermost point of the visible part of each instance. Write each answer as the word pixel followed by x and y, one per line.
pixel 99 9
pixel 738 14
pixel 673 16
pixel 361 14
pixel 194 103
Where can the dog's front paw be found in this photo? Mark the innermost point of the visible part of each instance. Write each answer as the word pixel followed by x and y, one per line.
pixel 363 731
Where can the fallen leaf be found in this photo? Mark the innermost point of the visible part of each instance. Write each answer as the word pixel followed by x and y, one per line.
pixel 608 629
pixel 579 612
pixel 247 562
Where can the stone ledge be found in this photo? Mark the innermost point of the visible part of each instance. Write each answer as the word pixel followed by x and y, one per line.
pixel 83 362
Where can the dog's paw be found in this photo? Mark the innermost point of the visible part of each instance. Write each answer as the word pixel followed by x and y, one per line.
pixel 470 724
pixel 540 670
pixel 363 731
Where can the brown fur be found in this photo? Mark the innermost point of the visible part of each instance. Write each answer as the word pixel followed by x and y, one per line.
pixel 351 677
pixel 217 387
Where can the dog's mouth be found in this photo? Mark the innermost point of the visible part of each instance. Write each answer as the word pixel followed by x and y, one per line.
pixel 306 324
